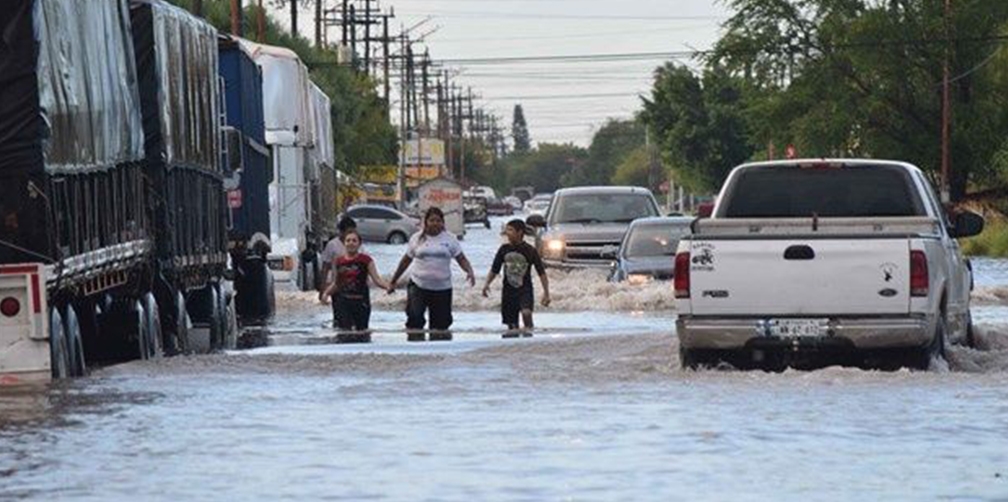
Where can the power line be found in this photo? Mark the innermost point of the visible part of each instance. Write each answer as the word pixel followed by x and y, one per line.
pixel 526 15
pixel 562 96
pixel 577 58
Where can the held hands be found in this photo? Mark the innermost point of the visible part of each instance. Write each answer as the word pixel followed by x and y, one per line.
pixel 323 298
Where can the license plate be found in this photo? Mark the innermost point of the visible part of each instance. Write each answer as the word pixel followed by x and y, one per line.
pixel 795 328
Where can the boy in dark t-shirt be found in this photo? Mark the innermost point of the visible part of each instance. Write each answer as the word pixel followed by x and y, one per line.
pixel 517 258
pixel 349 289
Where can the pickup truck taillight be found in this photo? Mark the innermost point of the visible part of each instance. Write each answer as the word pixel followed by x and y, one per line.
pixel 681 279
pixel 918 273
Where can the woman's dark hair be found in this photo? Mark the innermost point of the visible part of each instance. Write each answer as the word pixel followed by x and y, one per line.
pixel 433 211
pixel 345 224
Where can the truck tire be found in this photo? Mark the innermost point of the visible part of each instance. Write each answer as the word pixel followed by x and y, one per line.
pixel 75 343
pixel 219 321
pixel 181 338
pixel 697 359
pixel 152 318
pixel 58 359
pixel 920 358
pixel 970 336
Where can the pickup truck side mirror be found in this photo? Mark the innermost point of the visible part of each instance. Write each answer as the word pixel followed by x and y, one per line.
pixel 536 220
pixel 966 224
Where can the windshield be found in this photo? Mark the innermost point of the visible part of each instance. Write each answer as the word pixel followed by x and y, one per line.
pixel 851 191
pixel 603 208
pixel 653 240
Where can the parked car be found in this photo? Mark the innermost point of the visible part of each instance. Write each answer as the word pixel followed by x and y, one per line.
pixel 648 248
pixel 474 210
pixel 516 203
pixel 585 225
pixel 851 259
pixel 538 204
pixel 383 224
pixel 497 207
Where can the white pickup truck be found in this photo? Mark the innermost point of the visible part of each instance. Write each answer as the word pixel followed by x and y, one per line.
pixel 852 260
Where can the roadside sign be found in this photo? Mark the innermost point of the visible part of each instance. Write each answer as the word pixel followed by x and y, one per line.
pixel 790 152
pixel 234 198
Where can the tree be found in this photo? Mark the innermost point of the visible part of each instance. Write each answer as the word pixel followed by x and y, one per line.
pixel 862 78
pixel 699 124
pixel 544 167
pixel 610 144
pixel 633 170
pixel 519 132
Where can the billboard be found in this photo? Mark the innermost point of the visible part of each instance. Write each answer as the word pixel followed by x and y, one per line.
pixel 423 152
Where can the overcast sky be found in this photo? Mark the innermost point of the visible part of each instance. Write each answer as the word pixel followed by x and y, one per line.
pixel 563 101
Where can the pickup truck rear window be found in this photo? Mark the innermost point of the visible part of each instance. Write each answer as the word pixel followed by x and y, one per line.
pixel 849 191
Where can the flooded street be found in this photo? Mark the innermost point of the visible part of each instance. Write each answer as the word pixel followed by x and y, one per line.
pixel 594 406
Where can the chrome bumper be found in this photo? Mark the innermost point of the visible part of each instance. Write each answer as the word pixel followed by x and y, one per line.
pixel 576 264
pixel 862 332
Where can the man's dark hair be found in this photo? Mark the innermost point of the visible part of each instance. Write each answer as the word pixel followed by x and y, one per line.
pixel 346 223
pixel 518 225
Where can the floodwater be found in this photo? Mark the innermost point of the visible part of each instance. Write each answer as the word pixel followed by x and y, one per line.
pixel 594 406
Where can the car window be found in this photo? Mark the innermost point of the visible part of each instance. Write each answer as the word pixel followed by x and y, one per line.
pixel 849 191
pixel 356 213
pixel 654 240
pixel 367 213
pixel 385 214
pixel 603 208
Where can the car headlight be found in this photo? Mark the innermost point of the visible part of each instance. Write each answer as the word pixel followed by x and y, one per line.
pixel 638 279
pixel 553 248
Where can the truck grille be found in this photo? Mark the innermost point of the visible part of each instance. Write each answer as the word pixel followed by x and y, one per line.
pixel 588 251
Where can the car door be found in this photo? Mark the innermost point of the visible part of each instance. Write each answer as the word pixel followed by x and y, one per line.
pixel 386 221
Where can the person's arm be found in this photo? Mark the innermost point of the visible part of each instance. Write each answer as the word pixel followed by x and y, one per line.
pixel 546 300
pixel 464 263
pixel 541 270
pixel 373 272
pixel 329 290
pixel 486 287
pixel 404 263
pixel 495 269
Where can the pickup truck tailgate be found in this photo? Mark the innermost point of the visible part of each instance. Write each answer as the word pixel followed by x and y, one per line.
pixel 799 277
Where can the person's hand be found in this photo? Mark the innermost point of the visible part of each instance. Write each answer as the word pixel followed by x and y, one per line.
pixel 546 301
pixel 486 291
pixel 391 288
pixel 471 277
pixel 322 298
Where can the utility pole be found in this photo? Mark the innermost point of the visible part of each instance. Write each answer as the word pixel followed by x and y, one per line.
pixel 385 63
pixel 946 111
pixel 401 179
pixel 345 20
pixel 426 110
pixel 353 34
pixel 318 23
pixel 367 36
pixel 261 23
pixel 236 16
pixel 293 13
pixel 444 107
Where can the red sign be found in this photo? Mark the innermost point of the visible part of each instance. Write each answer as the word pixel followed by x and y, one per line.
pixel 790 152
pixel 234 199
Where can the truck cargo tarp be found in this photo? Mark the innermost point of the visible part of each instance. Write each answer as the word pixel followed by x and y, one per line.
pixel 286 98
pixel 321 106
pixel 182 126
pixel 67 86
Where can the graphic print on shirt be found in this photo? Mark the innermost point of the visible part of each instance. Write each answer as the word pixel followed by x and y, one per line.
pixel 515 267
pixel 351 274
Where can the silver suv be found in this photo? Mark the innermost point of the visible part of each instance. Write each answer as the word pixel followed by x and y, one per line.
pixel 584 226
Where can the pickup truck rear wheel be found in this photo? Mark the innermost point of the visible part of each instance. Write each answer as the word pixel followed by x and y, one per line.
pixel 695 359
pixel 920 359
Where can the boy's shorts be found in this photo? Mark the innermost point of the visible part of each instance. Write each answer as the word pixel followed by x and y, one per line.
pixel 513 302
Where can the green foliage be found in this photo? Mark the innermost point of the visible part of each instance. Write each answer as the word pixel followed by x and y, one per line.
pixel 700 124
pixel 862 78
pixel 633 170
pixel 544 167
pixel 609 146
pixel 362 134
pixel 993 241
pixel 520 132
